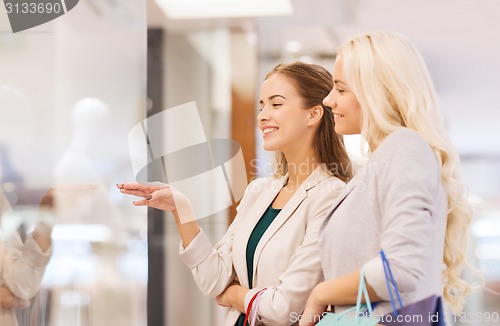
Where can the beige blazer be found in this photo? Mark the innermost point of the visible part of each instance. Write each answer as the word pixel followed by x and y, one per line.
pixel 286 260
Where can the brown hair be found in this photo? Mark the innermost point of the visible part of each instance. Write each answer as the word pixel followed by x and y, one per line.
pixel 313 83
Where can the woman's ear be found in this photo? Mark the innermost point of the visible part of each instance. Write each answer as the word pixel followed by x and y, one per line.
pixel 315 115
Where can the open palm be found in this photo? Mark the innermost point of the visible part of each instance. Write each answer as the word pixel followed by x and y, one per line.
pixel 162 197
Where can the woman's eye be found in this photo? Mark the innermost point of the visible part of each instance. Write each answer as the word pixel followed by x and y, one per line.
pixel 339 90
pixel 276 105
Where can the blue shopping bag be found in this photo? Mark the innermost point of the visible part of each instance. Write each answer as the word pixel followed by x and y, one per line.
pixel 426 312
pixel 360 318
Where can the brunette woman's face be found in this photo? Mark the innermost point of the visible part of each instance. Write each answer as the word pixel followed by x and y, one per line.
pixel 283 119
pixel 344 104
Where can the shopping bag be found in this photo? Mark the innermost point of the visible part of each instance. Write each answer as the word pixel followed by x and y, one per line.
pixel 360 318
pixel 426 312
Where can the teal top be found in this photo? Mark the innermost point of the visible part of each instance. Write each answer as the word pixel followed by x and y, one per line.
pixel 257 233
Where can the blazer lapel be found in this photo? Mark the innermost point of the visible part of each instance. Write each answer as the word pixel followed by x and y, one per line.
pixel 259 205
pixel 316 177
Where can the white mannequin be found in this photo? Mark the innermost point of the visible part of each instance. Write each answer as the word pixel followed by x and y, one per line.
pixel 78 166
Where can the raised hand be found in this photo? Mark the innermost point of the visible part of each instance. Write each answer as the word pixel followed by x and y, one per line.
pixel 162 196
pixel 138 190
pixel 167 198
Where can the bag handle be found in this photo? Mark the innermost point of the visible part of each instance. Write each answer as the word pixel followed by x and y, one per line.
pixel 249 308
pixel 255 306
pixel 362 290
pixel 389 279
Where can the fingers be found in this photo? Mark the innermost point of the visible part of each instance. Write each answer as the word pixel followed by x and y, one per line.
pixel 138 193
pixel 156 196
pixel 142 202
pixel 133 186
pixel 138 190
pixel 151 186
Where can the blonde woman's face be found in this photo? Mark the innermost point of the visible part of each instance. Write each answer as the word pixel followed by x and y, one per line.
pixel 344 104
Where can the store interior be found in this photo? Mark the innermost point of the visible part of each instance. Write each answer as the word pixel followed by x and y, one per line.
pixel 73 89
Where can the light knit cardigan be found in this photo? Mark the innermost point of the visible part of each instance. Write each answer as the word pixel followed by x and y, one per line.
pixel 396 203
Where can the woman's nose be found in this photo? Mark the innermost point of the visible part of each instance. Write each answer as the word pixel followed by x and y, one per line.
pixel 329 100
pixel 263 115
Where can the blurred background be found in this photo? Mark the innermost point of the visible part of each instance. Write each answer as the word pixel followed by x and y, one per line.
pixel 73 88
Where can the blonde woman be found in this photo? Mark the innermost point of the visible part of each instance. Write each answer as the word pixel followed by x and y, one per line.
pixel 272 242
pixel 408 201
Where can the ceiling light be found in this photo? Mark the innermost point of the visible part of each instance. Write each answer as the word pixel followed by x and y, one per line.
pixel 293 46
pixel 203 9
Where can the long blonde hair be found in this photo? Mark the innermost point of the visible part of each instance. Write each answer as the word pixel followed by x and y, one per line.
pixel 393 86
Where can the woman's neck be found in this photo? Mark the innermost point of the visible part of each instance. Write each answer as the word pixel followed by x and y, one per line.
pixel 300 167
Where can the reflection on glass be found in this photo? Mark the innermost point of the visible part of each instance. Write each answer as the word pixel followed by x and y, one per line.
pixel 23 259
pixel 72 251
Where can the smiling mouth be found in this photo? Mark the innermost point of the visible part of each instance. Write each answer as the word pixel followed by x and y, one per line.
pixel 268 131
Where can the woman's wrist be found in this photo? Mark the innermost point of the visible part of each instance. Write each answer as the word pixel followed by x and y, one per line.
pixel 317 296
pixel 236 296
pixel 187 231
